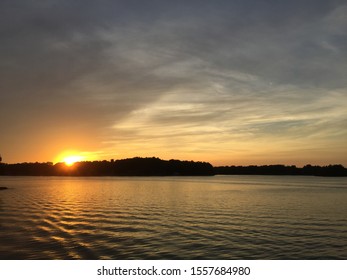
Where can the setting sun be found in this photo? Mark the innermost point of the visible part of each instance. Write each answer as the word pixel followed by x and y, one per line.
pixel 70 157
pixel 70 160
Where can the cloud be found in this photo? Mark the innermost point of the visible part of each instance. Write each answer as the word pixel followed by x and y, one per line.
pixel 171 72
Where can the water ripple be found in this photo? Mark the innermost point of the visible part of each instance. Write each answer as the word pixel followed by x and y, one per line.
pixel 173 218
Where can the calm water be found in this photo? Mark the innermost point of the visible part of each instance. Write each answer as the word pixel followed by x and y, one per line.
pixel 221 217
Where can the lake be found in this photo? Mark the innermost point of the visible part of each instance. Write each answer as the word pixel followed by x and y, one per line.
pixel 220 217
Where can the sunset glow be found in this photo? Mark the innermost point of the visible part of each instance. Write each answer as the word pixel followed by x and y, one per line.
pixel 70 160
pixel 69 157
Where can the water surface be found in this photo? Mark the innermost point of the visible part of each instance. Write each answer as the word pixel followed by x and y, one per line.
pixel 221 217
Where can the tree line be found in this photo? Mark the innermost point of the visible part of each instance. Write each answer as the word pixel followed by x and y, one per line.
pixel 125 167
pixel 310 170
pixel 157 167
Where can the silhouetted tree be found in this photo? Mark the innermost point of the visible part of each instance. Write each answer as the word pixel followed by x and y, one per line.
pixel 309 170
pixel 157 167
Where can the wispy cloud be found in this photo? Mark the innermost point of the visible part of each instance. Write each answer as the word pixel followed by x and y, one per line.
pixel 214 79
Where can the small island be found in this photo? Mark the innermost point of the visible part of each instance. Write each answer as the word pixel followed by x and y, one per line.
pixel 125 167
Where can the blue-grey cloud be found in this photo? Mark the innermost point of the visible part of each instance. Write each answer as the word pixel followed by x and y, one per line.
pixel 227 69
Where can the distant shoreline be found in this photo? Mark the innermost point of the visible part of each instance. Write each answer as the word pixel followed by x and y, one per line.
pixel 336 170
pixel 157 167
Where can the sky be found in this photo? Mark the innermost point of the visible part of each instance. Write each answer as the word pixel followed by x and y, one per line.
pixel 234 82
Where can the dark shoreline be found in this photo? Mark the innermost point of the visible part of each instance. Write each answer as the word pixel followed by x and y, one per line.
pixel 158 167
pixel 282 170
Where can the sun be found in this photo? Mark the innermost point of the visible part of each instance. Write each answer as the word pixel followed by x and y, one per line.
pixel 70 160
pixel 70 157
